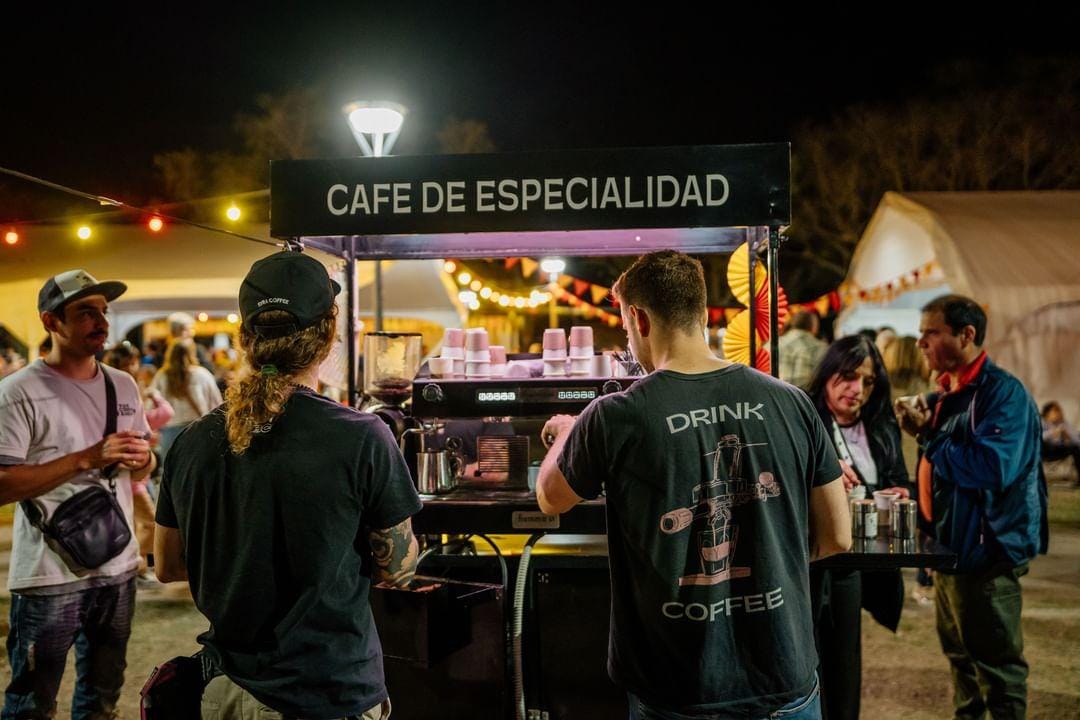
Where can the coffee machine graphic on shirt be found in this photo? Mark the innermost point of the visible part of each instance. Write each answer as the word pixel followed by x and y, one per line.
pixel 709 514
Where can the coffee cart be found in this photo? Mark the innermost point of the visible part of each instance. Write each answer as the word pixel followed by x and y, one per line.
pixel 457 646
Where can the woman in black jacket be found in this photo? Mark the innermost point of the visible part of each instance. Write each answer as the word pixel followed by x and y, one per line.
pixel 850 390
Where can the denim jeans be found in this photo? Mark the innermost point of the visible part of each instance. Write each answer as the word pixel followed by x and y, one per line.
pixel 44 627
pixel 807 707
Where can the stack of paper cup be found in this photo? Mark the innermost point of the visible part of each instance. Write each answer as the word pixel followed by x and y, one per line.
pixel 477 353
pixel 554 352
pixel 601 365
pixel 453 347
pixel 498 360
pixel 581 350
pixel 441 367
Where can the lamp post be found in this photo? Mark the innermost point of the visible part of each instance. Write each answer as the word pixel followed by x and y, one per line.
pixel 375 126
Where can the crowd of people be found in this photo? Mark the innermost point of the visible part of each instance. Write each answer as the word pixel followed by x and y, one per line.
pixel 717 607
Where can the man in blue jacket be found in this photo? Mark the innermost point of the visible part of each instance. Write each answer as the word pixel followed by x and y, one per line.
pixel 982 494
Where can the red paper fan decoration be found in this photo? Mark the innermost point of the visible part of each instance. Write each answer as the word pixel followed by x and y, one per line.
pixel 761 310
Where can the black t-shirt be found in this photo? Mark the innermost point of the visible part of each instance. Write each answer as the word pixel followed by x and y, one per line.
pixel 276 549
pixel 708 481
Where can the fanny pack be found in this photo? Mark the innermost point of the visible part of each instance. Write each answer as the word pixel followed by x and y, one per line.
pixel 88 529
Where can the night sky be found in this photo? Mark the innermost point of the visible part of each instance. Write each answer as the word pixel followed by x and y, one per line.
pixel 90 96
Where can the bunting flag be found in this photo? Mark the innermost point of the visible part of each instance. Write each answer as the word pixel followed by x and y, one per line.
pixel 528 267
pixel 926 274
pixel 598 293
pixel 564 281
pixel 715 316
pixel 580 287
pixel 510 262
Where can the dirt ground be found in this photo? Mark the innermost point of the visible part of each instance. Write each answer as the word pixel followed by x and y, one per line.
pixel 904 675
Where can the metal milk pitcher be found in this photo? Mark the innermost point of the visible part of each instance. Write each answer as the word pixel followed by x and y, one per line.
pixel 436 472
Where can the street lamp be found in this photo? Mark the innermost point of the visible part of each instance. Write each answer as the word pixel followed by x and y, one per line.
pixel 381 121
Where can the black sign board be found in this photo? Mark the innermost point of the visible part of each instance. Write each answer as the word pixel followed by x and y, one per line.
pixel 678 187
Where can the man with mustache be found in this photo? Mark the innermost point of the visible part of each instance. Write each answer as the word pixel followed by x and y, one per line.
pixel 982 494
pixel 53 445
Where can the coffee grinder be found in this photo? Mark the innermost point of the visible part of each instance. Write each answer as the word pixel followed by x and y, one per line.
pixel 391 360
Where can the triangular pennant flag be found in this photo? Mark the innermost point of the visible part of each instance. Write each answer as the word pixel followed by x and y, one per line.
pixel 528 267
pixel 715 315
pixel 564 281
pixel 598 292
pixel 510 262
pixel 580 287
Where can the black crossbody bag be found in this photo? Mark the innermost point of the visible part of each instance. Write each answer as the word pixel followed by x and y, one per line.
pixel 88 529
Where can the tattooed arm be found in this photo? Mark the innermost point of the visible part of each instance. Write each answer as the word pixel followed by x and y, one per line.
pixel 395 554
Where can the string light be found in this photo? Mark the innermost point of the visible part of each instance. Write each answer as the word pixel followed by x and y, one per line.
pixel 155 224
pixel 449 266
pixel 11 237
pixel 233 318
pixel 84 232
pixel 203 317
pixel 233 213
pixel 464 278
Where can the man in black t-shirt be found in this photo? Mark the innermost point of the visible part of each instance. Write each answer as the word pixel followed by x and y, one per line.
pixel 721 485
pixel 278 507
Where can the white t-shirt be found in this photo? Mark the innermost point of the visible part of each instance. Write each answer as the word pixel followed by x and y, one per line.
pixel 201 387
pixel 44 416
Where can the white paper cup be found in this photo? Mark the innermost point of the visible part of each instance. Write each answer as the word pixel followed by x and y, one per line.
pixel 554 368
pixel 441 367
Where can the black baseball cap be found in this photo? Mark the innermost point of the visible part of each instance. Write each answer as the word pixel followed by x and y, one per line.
pixel 290 281
pixel 61 289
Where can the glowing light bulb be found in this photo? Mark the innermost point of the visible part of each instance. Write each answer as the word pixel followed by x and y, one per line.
pixel 233 213
pixel 203 317
pixel 449 266
pixel 464 278
pixel 233 318
pixel 84 232
pixel 485 292
pixel 155 224
pixel 11 237
pixel 519 302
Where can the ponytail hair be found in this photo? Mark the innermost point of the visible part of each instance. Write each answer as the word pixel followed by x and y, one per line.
pixel 270 365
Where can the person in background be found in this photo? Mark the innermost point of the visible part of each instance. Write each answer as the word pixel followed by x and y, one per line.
pixel 1059 438
pixel 182 327
pixel 10 361
pixel 910 376
pixel 189 388
pixel 158 411
pixel 885 335
pixel 982 494
pixel 800 348
pixel 851 393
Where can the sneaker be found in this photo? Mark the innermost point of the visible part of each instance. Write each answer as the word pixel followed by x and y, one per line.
pixel 146 581
pixel 922 595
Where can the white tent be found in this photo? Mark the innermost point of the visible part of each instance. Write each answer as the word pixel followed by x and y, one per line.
pixel 1016 253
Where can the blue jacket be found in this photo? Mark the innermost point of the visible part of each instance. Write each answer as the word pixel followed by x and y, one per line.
pixel 989 491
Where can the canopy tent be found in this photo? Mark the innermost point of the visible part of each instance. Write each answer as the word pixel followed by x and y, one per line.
pixel 1014 252
pixel 180 268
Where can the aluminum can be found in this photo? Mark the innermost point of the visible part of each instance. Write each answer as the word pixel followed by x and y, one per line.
pixel 864 519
